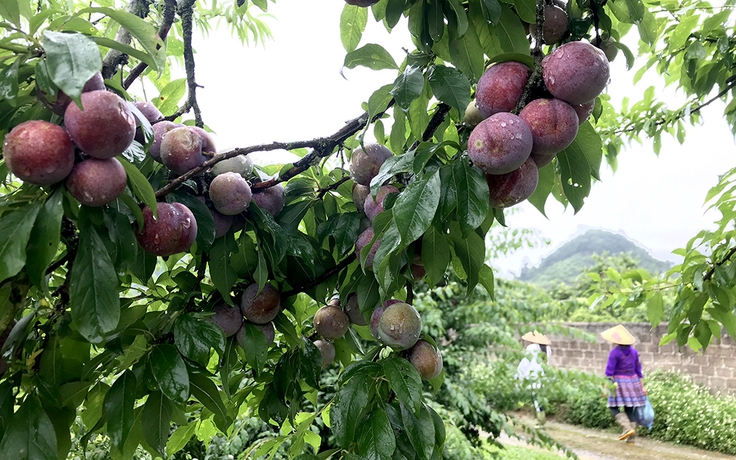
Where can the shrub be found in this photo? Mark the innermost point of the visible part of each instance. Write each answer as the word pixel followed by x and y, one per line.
pixel 589 410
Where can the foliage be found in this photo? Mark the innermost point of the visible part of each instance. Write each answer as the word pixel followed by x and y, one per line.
pixel 102 329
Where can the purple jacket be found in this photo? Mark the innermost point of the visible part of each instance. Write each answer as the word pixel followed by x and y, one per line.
pixel 623 360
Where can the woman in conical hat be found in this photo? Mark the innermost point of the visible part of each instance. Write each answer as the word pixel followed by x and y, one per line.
pixel 530 369
pixel 624 370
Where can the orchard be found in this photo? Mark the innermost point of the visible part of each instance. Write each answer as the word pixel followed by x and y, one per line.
pixel 157 287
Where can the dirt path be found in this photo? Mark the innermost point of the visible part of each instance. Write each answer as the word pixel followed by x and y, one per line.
pixel 602 445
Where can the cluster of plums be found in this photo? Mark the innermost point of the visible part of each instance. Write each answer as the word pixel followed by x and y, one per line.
pixel 257 307
pixel 510 148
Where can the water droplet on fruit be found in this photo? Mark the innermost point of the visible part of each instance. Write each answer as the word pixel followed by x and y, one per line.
pixel 186 223
pixel 551 80
pixel 503 125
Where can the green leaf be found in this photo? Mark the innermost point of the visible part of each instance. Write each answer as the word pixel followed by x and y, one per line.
pixel 376 440
pixel 510 32
pixel 156 419
pixel 72 59
pixel 143 31
pixel 467 54
pixel 379 100
pixel 471 189
pixel 222 273
pixel 460 24
pixel 408 86
pixel 526 10
pixel 139 185
pixel 206 392
pixel 30 434
pixel 405 381
pixel 655 309
pixel 15 231
pixel 168 99
pixel 578 163
pixel 726 318
pixel 352 24
pixel 9 80
pixel 547 180
pixel 470 251
pixel 486 278
pixel 255 346
pixel 628 11
pixel 118 405
pixel 350 401
pixel 420 430
pixel 44 239
pixel 127 49
pixel 94 295
pixel 416 206
pixel 394 9
pixel 392 166
pixel 435 19
pixel 491 10
pixel 11 10
pixel 435 254
pixel 170 372
pixel 195 337
pixel 450 86
pixel 372 56
pixel 180 438
pixel 649 29
pixel 203 216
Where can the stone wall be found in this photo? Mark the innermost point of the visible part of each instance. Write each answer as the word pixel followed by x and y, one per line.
pixel 715 368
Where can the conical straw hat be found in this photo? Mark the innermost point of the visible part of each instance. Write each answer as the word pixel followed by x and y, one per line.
pixel 536 337
pixel 618 335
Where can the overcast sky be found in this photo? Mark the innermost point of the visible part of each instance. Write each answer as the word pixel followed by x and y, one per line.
pixel 291 89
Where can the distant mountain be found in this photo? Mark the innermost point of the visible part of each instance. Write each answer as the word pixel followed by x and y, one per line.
pixel 570 259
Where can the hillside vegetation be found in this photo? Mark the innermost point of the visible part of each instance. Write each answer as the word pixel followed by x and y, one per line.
pixel 570 259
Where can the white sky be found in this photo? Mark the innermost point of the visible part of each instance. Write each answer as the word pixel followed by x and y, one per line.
pixel 291 89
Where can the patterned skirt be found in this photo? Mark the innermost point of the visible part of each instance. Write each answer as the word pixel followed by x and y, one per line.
pixel 629 392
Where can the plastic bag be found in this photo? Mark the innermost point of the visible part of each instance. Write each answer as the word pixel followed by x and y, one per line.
pixel 645 414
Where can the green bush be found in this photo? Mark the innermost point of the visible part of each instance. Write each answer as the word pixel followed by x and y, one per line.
pixel 688 413
pixel 589 410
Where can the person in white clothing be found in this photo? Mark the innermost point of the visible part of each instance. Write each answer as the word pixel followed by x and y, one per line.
pixel 530 368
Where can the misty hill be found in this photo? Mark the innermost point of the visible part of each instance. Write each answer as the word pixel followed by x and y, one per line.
pixel 569 260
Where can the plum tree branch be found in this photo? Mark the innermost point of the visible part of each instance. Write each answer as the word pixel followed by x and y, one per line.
pixel 535 85
pixel 114 58
pixel 323 147
pixel 709 274
pixel 323 277
pixel 186 12
pixel 169 14
pixel 179 112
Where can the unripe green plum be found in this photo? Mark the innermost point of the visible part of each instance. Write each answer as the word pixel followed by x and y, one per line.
pixel 500 143
pixel 500 87
pixel 96 83
pixel 106 126
pixel 230 319
pixel 364 239
pixel 554 125
pixel 172 232
pixel 182 149
pixel 472 115
pixel 360 192
pixel 555 25
pixel 267 330
pixel 373 207
pixel 331 322
pixel 95 182
pixel 160 129
pixel 426 359
pixel 260 307
pixel 353 311
pixel 509 189
pixel 271 199
pixel 230 193
pixel 241 164
pixel 400 326
pixel 366 162
pixel 576 72
pixel 39 152
pixel 327 349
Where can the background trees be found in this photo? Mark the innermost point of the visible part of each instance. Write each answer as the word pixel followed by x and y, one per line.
pixel 118 319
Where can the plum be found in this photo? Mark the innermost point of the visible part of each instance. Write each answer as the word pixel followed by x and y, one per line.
pixel 96 83
pixel 104 128
pixel 426 359
pixel 554 125
pixel 576 72
pixel 375 320
pixel 364 239
pixel 160 129
pixel 399 326
pixel 150 111
pixel 555 25
pixel 266 328
pixel 271 199
pixel 208 142
pixel 372 206
pixel 359 194
pixel 509 189
pixel 500 87
pixel 609 48
pixel 230 319
pixel 172 232
pixel 584 110
pixel 327 349
pixel 241 164
pixel 182 149
pixel 366 162
pixel 39 152
pixel 230 193
pixel 500 143
pixel 331 322
pixel 223 223
pixel 96 182
pixel 353 311
pixel 260 307
pixel 362 3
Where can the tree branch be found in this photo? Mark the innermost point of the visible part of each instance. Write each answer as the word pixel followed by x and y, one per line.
pixel 535 85
pixel 181 111
pixel 186 13
pixel 324 276
pixel 114 58
pixel 169 14
pixel 712 270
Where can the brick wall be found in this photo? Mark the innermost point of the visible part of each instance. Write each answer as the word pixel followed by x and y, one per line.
pixel 715 368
